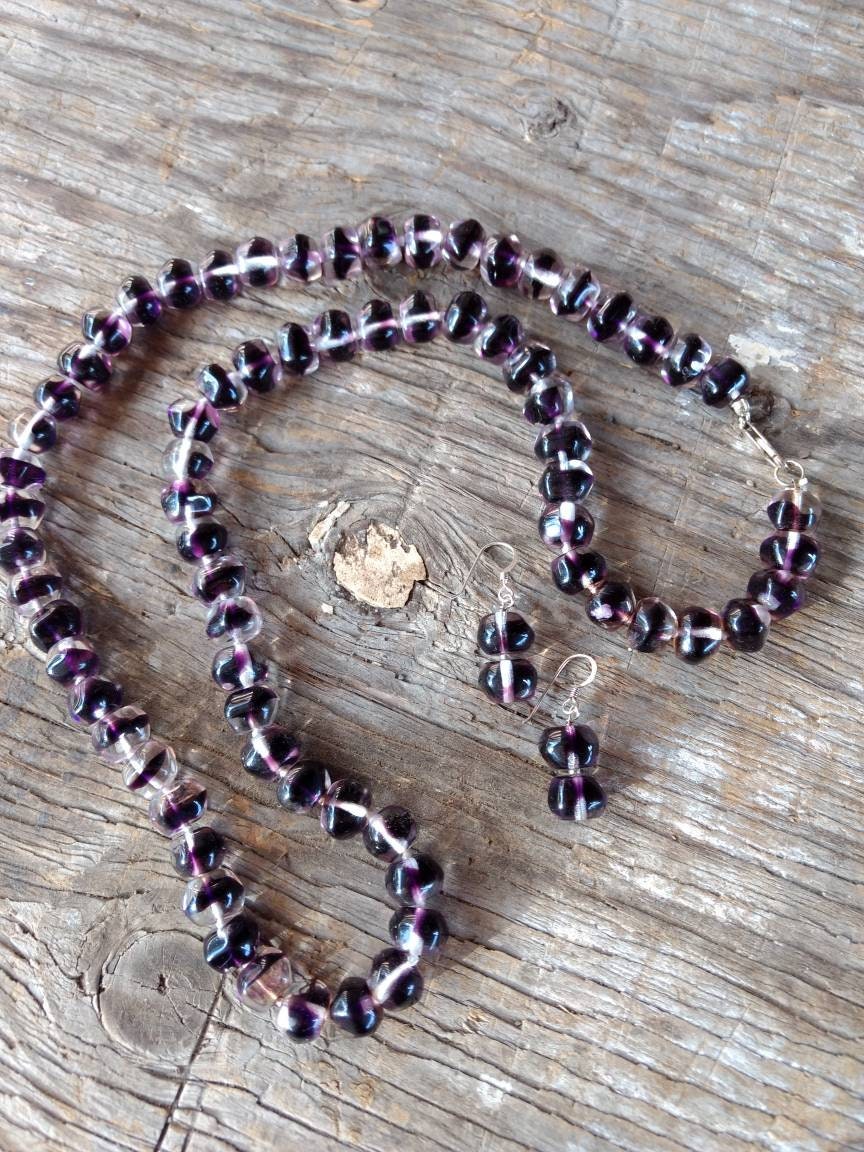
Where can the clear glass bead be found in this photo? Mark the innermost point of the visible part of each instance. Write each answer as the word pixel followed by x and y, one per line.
pixel 179 805
pixel 150 769
pixel 237 617
pixel 120 734
pixel 213 899
pixel 34 432
pixel 258 263
pixel 265 980
pixel 187 460
pixel 179 285
pixel 541 274
pixel 342 255
pixel 302 1016
pixel 21 508
pixel 576 295
pixel 20 469
pixel 301 259
pixel 29 591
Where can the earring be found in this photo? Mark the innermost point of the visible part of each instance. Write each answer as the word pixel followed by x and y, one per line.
pixel 504 634
pixel 571 751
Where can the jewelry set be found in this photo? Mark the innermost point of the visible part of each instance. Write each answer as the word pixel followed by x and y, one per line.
pixel 262 975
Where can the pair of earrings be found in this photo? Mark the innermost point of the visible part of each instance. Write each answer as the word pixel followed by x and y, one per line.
pixel 568 748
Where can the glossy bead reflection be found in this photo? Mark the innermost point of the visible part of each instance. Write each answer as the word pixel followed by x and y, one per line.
pixel 88 365
pixel 504 631
pixel 251 706
pixel 34 432
pixel 71 659
pixel 302 261
pixel 611 606
pixel 395 980
pixel 463 244
pixel 652 627
pixel 418 931
pixel 196 851
pixel 271 751
pixel 414 879
pixel 139 302
pixel 574 571
pixel 21 470
pixel 506 680
pixel 377 326
pixel 237 617
pixel 723 382
pixel 499 339
pixel 700 632
pixel 223 575
pixel 793 552
pixel 58 396
pixel 178 284
pixel 193 419
pixel 610 318
pixel 419 318
pixel 233 944
pixel 746 624
pixel 24 508
pixel 795 509
pixel 576 295
pixel 390 832
pixel 576 798
pixel 119 734
pixel 569 437
pixel 353 1008
pixel 501 261
pixel 566 480
pixel 305 786
pixel 343 258
pixel 225 390
pixel 648 338
pixel 264 981
pixel 686 361
pixel 334 337
pixel 296 350
pixel 258 263
pixel 239 668
pixel 59 620
pixel 215 898
pixel 31 590
pixel 549 400
pixel 91 698
pixel 187 460
pixel 541 274
pixel 150 769
pixel 569 747
pixel 302 1015
pixel 345 808
pixel 565 525
pixel 780 592
pixel 258 365
pixel 464 317
pixel 527 363
pixel 110 331
pixel 174 808
pixel 219 276
pixel 422 241
pixel 379 243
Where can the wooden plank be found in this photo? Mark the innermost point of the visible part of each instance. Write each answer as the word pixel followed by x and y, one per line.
pixel 684 973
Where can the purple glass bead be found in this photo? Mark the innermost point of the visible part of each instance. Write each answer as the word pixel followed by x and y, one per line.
pixel 34 432
pixel 251 707
pixel 20 548
pixel 574 571
pixel 258 263
pixel 178 806
pixel 419 318
pixel 139 302
pixel 464 317
pixel 526 364
pixel 334 337
pixel 648 338
pixel 265 980
pixel 575 797
pixel 194 419
pixel 414 879
pixel 233 944
pixel 463 244
pixel 612 605
pixel 541 275
pixel 93 697
pixel 201 538
pixel 794 552
pixel 549 399
pixel 187 460
pixel 150 769
pixel 302 261
pixel 221 576
pixel 686 361
pixel 499 339
pixel 238 667
pixel 58 396
pixel 502 632
pixel 653 625
pixel 296 350
pixel 118 734
pixel 214 899
pixel 260 369
pixel 505 681
pixel 418 931
pixel 423 241
pixel 178 284
pixel 21 509
pixel 87 365
pixel 576 295
pixel 379 243
pixel 746 624
pixel 723 382
pixel 569 748
pixel 31 589
pixel 343 259
pixel 569 437
pixel 237 617
pixel 20 470
pixel 780 592
pixel 188 500
pixel 219 276
pixel 378 327
pixel 795 510
pixel 71 660
pixel 566 525
pixel 611 317
pixel 304 786
pixel 353 1008
pixel 566 479
pixel 395 979
pixel 302 1015
pixel 501 261
pixel 345 808
pixel 196 851
pixel 225 390
pixel 109 331
pixel 271 752
pixel 390 832
pixel 59 620
pixel 700 632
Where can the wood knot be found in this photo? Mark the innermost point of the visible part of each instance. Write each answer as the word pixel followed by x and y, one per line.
pixel 380 569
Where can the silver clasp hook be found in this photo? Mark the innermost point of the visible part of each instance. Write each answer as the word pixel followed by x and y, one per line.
pixel 792 468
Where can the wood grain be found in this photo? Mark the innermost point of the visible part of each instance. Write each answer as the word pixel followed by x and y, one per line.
pixel 685 973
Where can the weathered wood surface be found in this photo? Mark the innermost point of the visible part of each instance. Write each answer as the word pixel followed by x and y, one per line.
pixel 685 973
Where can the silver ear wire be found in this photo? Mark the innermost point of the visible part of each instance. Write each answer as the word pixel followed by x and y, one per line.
pixel 506 595
pixel 570 707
